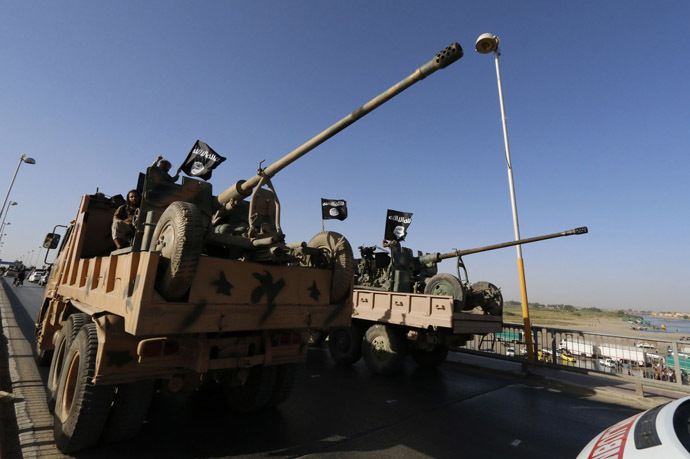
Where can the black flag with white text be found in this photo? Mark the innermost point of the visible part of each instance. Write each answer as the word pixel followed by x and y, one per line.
pixel 201 160
pixel 333 209
pixel 396 225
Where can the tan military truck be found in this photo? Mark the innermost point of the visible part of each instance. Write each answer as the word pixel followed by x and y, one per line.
pixel 402 305
pixel 208 290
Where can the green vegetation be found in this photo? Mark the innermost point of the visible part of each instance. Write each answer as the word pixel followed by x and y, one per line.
pixel 560 314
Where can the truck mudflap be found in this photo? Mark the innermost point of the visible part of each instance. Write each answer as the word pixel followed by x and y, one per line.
pixel 123 357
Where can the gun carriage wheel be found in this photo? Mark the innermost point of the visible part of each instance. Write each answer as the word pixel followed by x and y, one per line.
pixel 339 255
pixel 446 285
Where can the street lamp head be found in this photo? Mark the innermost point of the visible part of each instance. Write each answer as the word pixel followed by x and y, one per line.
pixel 487 43
pixel 29 160
pixel 13 203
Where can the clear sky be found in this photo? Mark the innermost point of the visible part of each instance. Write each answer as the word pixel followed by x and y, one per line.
pixel 596 92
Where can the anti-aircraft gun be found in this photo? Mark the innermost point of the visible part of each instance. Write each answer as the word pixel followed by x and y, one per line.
pixel 402 305
pixel 398 270
pixel 208 291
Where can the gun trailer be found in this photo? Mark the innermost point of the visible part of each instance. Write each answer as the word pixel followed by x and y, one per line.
pixel 402 305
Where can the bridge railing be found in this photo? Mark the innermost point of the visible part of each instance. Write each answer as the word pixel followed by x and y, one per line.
pixel 654 362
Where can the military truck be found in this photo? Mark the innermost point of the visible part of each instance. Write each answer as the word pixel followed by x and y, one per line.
pixel 402 304
pixel 208 291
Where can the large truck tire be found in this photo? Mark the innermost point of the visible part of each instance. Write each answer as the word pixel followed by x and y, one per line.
pixel 431 358
pixel 342 260
pixel 128 412
pixel 254 394
pixel 384 349
pixel 285 382
pixel 345 344
pixel 63 342
pixel 81 408
pixel 178 236
pixel 446 285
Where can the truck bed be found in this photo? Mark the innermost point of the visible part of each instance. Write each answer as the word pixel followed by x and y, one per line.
pixel 420 311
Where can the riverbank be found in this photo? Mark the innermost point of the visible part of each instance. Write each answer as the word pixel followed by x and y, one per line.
pixel 588 321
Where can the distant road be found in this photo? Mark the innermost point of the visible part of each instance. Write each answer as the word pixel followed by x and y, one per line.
pixel 456 411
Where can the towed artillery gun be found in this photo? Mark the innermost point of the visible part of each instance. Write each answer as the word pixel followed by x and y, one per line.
pixel 208 291
pixel 402 304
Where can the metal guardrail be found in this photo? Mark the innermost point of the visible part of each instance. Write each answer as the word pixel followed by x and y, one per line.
pixel 642 361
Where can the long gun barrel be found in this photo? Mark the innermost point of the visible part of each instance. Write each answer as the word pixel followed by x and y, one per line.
pixel 441 60
pixel 436 257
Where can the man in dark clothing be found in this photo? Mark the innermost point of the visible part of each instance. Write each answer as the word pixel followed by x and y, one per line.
pixel 123 229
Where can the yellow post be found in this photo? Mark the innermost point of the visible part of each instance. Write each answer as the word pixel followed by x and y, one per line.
pixel 525 310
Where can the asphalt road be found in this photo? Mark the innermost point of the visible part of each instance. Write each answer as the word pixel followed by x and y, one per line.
pixel 454 411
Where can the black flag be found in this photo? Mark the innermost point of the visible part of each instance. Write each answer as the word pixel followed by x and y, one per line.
pixel 396 225
pixel 201 160
pixel 333 208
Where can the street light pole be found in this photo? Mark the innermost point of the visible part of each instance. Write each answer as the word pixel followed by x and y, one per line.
pixel 22 159
pixel 2 225
pixel 487 43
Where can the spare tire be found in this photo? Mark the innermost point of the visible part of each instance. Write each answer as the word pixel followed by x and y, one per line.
pixel 342 261
pixel 446 285
pixel 179 237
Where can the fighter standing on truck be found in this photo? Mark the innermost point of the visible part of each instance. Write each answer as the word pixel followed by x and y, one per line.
pixel 122 228
pixel 165 166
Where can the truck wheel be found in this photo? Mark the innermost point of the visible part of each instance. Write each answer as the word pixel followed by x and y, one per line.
pixel 345 344
pixel 63 342
pixel 446 285
pixel 285 383
pixel 384 349
pixel 432 358
pixel 488 296
pixel 128 412
pixel 342 261
pixel 81 408
pixel 179 238
pixel 254 394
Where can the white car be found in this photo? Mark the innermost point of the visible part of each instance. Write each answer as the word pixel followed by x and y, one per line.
pixel 608 363
pixel 510 352
pixel 36 275
pixel 661 432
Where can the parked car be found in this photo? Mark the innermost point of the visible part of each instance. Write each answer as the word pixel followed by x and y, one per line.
pixel 567 357
pixel 36 275
pixel 661 432
pixel 510 352
pixel 611 363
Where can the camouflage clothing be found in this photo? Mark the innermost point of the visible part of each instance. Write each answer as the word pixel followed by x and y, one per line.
pixel 122 223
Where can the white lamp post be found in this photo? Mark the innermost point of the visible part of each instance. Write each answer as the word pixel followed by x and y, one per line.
pixel 2 225
pixel 22 159
pixel 487 43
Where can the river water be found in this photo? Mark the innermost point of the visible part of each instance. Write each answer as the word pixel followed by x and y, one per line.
pixel 672 325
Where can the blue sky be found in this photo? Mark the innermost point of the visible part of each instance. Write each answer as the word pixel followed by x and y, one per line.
pixel 596 98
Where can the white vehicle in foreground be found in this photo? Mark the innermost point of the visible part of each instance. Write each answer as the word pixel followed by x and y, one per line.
pixel 661 432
